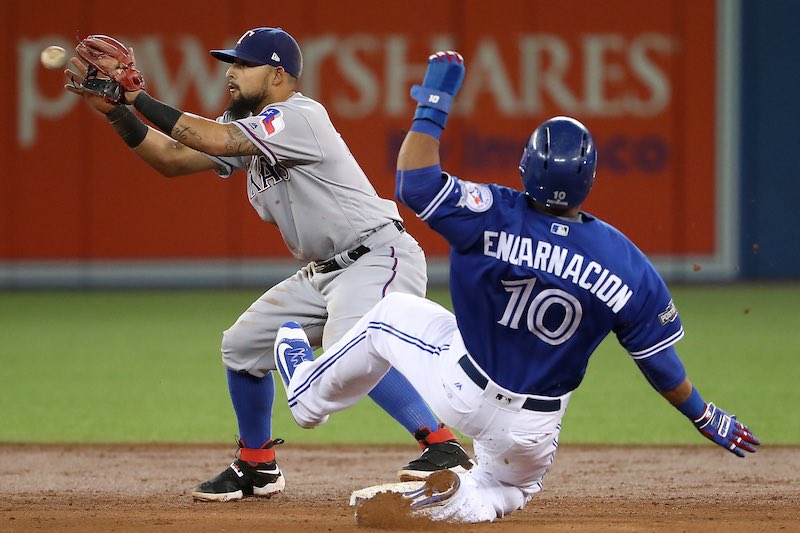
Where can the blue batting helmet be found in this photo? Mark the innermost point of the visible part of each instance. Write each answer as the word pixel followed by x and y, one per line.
pixel 559 163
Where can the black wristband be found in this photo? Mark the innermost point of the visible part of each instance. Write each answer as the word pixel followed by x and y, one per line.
pixel 127 125
pixel 164 117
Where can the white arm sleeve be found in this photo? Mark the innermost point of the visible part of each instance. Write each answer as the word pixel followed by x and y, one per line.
pixel 226 165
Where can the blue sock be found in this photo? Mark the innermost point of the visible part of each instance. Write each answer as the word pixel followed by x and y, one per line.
pixel 395 395
pixel 252 400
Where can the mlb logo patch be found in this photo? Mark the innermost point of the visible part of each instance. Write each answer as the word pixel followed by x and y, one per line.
pixel 476 196
pixel 559 229
pixel 267 123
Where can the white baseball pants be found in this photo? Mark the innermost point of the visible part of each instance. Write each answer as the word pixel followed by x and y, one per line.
pixel 514 447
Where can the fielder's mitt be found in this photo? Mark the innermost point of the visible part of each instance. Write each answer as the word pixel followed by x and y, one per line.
pixel 111 68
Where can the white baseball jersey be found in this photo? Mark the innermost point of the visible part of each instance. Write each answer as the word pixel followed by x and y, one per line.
pixel 307 183
pixel 327 204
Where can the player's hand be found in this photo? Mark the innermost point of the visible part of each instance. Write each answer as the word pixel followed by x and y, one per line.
pixel 442 81
pixel 130 96
pixel 723 429
pixel 72 83
pixel 445 72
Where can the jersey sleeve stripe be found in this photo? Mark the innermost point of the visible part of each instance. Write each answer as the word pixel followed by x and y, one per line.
pixel 438 199
pixel 259 143
pixel 669 341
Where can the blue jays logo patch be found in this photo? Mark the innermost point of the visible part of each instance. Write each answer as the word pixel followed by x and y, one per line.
pixel 476 196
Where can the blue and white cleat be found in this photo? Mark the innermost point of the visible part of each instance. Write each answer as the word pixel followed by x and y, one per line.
pixel 291 349
pixel 417 500
pixel 438 488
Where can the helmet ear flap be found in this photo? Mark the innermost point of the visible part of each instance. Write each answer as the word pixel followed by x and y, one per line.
pixel 558 163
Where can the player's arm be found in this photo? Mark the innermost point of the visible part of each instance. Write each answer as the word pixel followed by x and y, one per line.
pixel 665 372
pixel 418 167
pixel 201 134
pixel 418 151
pixel 164 154
pixel 170 157
pixel 196 132
pixel 441 83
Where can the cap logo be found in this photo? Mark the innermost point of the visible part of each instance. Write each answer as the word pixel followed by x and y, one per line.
pixel 275 56
pixel 246 34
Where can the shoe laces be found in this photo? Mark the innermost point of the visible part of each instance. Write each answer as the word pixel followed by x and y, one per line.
pixel 296 355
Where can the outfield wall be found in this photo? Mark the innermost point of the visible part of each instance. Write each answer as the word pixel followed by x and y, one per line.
pixel 770 142
pixel 657 83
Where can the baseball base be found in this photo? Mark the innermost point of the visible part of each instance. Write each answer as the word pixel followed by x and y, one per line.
pixel 357 496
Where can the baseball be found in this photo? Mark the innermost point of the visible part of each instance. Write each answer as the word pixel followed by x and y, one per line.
pixel 54 57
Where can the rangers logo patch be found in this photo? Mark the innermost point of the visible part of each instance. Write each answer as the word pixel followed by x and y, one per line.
pixel 669 314
pixel 476 196
pixel 266 124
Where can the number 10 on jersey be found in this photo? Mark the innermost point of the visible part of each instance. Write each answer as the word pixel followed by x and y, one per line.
pixel 522 298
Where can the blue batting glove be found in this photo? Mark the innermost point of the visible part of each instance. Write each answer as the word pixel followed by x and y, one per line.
pixel 445 72
pixel 442 81
pixel 723 429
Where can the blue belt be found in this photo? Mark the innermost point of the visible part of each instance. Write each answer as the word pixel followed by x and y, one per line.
pixel 531 404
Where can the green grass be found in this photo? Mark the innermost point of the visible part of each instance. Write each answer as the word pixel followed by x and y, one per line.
pixel 740 351
pixel 144 366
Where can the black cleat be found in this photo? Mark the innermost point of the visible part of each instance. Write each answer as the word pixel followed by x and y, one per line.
pixel 447 455
pixel 242 479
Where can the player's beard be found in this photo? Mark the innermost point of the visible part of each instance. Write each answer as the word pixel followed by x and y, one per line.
pixel 242 106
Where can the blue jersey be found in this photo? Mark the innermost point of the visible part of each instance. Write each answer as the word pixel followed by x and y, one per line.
pixel 534 294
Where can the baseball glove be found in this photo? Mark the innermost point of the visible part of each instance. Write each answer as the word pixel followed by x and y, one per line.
pixel 111 68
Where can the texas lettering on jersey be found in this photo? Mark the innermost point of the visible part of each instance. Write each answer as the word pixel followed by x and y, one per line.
pixel 261 175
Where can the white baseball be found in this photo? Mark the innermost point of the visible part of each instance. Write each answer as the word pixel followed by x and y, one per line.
pixel 54 57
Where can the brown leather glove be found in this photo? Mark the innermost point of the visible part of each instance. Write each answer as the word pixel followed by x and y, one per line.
pixel 111 68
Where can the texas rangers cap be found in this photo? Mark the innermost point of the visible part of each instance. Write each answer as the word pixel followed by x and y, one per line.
pixel 265 46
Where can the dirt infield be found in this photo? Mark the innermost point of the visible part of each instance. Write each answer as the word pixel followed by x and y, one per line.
pixel 146 488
